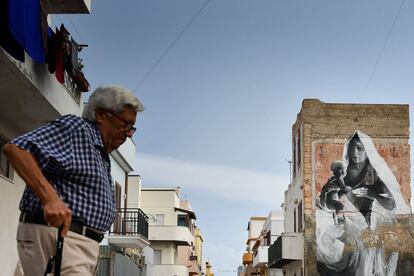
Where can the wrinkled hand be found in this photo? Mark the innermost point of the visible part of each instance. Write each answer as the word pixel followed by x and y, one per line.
pixel 57 214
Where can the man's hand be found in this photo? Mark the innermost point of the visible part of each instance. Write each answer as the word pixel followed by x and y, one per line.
pixel 55 211
pixel 57 214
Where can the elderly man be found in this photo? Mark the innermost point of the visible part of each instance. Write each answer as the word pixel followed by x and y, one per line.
pixel 66 167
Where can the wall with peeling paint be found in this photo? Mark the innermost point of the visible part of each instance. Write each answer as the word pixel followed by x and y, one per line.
pixel 324 130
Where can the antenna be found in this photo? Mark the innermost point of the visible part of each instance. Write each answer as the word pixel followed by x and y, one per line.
pixel 290 170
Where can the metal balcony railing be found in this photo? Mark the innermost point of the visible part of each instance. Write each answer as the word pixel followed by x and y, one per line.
pixel 130 222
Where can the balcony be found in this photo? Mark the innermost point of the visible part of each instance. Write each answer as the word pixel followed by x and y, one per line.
pixel 130 229
pixel 287 248
pixel 30 96
pixel 247 258
pixel 67 6
pixel 260 257
pixel 170 269
pixel 180 235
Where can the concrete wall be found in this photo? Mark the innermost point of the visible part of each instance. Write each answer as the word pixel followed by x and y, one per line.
pixel 134 191
pixel 158 201
pixel 11 192
pixel 293 269
pixel 275 224
pixel 178 270
pixel 255 227
pixel 324 130
pixel 168 251
pixel 149 260
pixel 23 107
pixel 293 196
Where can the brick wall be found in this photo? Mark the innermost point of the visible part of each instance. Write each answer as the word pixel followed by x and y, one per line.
pixel 325 128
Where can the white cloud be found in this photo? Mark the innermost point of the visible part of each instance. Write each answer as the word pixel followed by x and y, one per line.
pixel 225 182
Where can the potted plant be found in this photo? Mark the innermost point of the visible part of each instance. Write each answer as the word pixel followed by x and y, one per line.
pixel 79 78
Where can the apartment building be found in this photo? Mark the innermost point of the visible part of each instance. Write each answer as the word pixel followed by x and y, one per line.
pixel 126 250
pixel 172 232
pixel 348 207
pixel 30 95
pixel 272 229
pixel 255 260
pixel 254 228
pixel 198 251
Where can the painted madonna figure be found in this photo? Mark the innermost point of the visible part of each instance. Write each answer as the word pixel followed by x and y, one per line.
pixel 373 201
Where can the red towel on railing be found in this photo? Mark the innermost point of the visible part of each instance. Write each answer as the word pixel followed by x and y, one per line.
pixel 59 57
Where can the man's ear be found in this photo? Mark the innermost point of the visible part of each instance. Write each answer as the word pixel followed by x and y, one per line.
pixel 100 114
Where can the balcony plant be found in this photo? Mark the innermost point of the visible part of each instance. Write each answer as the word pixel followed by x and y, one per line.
pixel 79 78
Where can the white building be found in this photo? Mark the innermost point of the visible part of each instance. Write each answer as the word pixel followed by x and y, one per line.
pixel 263 232
pixel 287 251
pixel 125 249
pixel 272 229
pixel 171 231
pixel 29 97
pixel 254 228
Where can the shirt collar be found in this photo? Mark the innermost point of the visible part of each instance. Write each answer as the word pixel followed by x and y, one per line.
pixel 95 134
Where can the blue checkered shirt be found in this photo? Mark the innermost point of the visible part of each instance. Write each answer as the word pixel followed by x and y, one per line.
pixel 70 153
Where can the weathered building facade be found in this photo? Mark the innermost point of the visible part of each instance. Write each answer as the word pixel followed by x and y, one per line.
pixel 355 215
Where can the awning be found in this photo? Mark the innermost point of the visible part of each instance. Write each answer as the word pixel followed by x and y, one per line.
pixel 191 213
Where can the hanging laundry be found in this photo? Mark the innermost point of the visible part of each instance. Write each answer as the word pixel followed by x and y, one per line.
pixel 25 26
pixel 66 49
pixel 7 40
pixel 74 55
pixel 59 57
pixel 51 53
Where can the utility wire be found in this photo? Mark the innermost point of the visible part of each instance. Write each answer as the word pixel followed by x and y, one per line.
pixel 172 44
pixel 76 30
pixel 71 23
pixel 382 50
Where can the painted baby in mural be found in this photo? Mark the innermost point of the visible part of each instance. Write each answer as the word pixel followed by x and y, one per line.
pixel 373 200
pixel 333 189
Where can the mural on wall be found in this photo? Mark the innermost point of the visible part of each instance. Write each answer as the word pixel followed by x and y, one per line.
pixel 360 198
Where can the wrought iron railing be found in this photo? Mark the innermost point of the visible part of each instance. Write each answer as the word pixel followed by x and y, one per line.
pixel 130 222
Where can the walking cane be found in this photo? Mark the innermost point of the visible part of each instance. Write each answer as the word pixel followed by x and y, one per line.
pixel 57 259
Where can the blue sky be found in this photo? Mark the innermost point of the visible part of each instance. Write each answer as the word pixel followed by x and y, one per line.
pixel 221 102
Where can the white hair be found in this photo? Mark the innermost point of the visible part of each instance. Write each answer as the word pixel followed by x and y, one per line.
pixel 113 98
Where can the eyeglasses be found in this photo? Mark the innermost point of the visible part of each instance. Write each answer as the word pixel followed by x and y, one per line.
pixel 129 128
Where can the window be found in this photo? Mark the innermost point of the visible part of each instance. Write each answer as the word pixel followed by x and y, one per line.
pixel 294 220
pixel 4 163
pixel 157 257
pixel 159 219
pixel 300 217
pixel 268 240
pixel 299 149
pixel 182 220
pixel 293 168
